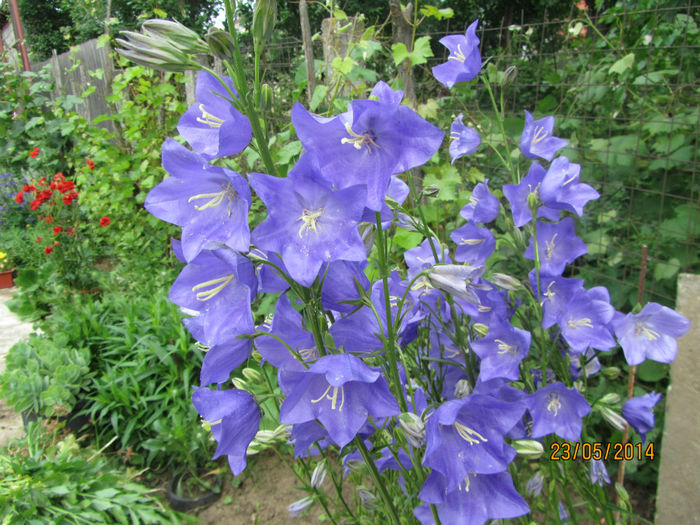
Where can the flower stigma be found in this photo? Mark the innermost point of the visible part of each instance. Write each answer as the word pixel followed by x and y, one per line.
pixel 308 219
pixel 642 329
pixel 207 118
pixel 216 198
pixel 549 247
pixel 539 136
pixel 358 140
pixel 505 348
pixel 469 435
pixel 584 321
pixel 218 285
pixel 459 54
pixel 553 403
pixel 333 398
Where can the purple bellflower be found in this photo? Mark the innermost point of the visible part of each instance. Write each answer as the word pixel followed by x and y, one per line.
pixel 482 206
pixel 585 321
pixel 650 334
pixel 555 295
pixel 308 223
pixel 520 196
pixel 562 190
pixel 598 473
pixel 559 410
pixel 464 62
pixel 339 391
pixel 340 284
pixel 235 420
pixel 209 203
pixel 501 351
pixel 638 412
pixel 212 126
pixel 557 245
pixel 463 139
pixel 477 499
pixel 467 436
pixel 372 141
pixel 537 139
pixel 474 244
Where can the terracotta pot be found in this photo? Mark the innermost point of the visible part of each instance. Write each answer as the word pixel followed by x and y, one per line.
pixel 6 279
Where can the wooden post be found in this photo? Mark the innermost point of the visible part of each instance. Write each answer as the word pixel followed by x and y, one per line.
pixel 308 49
pixel 402 32
pixel 19 33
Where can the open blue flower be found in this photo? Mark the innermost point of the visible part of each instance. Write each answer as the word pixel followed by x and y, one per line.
pixel 639 412
pixel 537 139
pixel 464 62
pixel 561 189
pixel 558 410
pixel 463 139
pixel 557 245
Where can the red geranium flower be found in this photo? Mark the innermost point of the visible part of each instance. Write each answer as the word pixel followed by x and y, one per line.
pixel 19 197
pixel 48 219
pixel 90 164
pixel 34 204
pixel 57 230
pixel 56 243
pixel 48 249
pixel 105 221
pixel 39 239
pixel 34 153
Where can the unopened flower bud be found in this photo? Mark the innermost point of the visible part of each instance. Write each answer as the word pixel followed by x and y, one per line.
pixel 535 484
pixel 157 49
pixel 221 44
pixel 176 34
pixel 367 234
pixel 252 375
pixel 355 465
pixel 528 447
pixel 613 418
pixel 267 97
pixel 611 372
pixel 405 221
pixel 264 17
pixel 299 506
pixel 622 492
pixel 367 499
pixel 609 399
pixel 456 279
pixel 239 383
pixel 319 475
pixel 509 75
pixel 462 389
pixel 413 427
pixel 431 191
pixel 505 281
pixel 480 329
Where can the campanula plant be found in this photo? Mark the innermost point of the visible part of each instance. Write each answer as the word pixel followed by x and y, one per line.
pixel 427 372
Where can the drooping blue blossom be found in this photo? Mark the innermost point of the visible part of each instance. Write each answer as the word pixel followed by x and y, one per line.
pixel 467 436
pixel 341 392
pixel 369 143
pixel 209 203
pixel 482 206
pixel 501 351
pixel 457 280
pixel 340 284
pixel 537 139
pixel 558 410
pixel 555 295
pixel 477 499
pixel 307 438
pixel 235 419
pixel 474 244
pixel 308 223
pixel 520 196
pixel 464 62
pixel 585 321
pixel 650 334
pixel 212 126
pixel 463 139
pixel 561 189
pixel 598 473
pixel 557 245
pixel 639 413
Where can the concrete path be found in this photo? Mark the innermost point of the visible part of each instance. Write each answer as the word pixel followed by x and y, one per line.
pixel 11 331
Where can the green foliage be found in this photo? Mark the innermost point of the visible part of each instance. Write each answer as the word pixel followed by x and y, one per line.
pixel 46 479
pixel 44 375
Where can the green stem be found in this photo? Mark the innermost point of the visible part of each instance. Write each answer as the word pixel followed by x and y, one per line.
pixel 500 117
pixel 366 456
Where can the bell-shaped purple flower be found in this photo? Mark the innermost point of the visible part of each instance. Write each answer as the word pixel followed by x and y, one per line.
pixel 585 321
pixel 501 351
pixel 650 334
pixel 209 203
pixel 212 126
pixel 464 62
pixel 558 410
pixel 521 195
pixel 474 244
pixel 463 139
pixel 639 413
pixel 339 391
pixel 537 139
pixel 562 190
pixel 368 144
pixel 308 223
pixel 557 245
pixel 597 472
pixel 235 420
pixel 482 206
pixel 340 284
pixel 467 436
pixel 555 295
pixel 477 499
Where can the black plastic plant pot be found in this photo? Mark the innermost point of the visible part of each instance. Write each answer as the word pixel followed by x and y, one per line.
pixel 184 503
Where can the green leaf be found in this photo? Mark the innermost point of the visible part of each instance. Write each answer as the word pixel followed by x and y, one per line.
pixel 102 41
pixel 343 65
pixel 623 64
pixel 26 278
pixel 439 14
pixel 651 371
pixel 318 96
pixel 399 52
pixel 406 239
pixel 421 51
pixel 666 270
pixel 340 14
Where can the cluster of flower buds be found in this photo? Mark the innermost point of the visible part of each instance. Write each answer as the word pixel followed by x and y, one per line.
pixel 162 44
